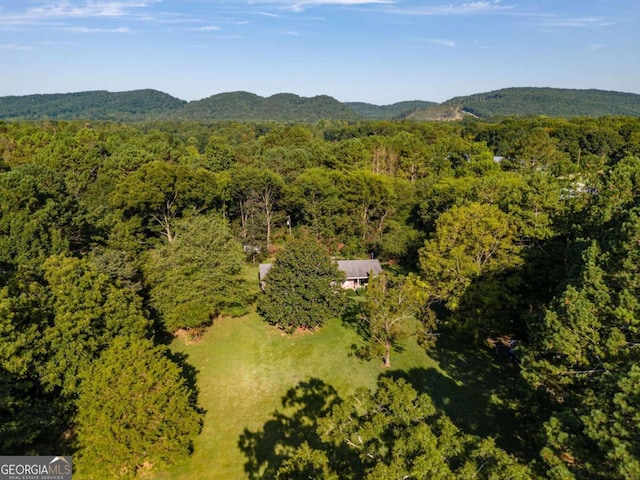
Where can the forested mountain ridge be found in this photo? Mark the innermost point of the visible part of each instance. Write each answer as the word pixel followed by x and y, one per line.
pixel 283 107
pixel 142 105
pixel 550 102
pixel 388 112
pixel 132 105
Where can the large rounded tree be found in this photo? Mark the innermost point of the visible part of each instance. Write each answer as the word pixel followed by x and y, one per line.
pixel 198 275
pixel 302 288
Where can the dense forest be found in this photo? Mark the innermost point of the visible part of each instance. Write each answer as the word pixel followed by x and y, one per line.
pixel 152 105
pixel 114 237
pixel 523 101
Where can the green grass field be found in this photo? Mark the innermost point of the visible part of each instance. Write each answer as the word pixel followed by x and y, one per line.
pixel 245 368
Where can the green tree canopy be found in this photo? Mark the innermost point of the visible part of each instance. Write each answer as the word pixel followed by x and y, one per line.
pixel 27 415
pixel 198 275
pixel 158 193
pixel 389 315
pixel 135 412
pixel 614 423
pixel 582 360
pixel 90 310
pixel 36 217
pixel 302 289
pixel 256 193
pixel 218 154
pixel 397 433
pixel 315 198
pixel 469 240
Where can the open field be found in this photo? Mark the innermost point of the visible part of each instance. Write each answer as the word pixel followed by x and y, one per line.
pixel 245 368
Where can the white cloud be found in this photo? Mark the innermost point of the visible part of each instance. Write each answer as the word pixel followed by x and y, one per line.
pixel 300 5
pixel 208 28
pixel 16 47
pixel 323 2
pixel 67 9
pixel 441 42
pixel 97 30
pixel 577 22
pixel 267 14
pixel 460 8
pixel 290 33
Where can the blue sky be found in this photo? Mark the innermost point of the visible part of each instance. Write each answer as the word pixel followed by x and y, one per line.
pixel 377 51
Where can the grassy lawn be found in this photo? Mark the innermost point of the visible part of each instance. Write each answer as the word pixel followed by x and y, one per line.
pixel 245 368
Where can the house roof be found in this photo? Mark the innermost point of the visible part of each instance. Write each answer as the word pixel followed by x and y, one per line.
pixel 359 269
pixel 353 269
pixel 264 269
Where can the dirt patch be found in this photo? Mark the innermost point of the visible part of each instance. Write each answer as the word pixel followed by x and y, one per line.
pixel 298 332
pixel 190 335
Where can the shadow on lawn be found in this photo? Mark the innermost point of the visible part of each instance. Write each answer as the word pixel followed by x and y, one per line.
pixel 302 406
pixel 351 317
pixel 190 376
pixel 481 393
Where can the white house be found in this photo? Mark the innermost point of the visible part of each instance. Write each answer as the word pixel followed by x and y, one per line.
pixel 357 272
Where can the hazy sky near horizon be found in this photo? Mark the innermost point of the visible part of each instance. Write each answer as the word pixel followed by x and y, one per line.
pixel 377 51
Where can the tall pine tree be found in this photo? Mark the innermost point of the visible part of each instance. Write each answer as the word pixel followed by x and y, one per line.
pixel 135 411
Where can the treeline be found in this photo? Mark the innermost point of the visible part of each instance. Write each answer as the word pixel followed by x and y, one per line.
pixel 152 105
pixel 112 236
pixel 527 101
pixel 135 105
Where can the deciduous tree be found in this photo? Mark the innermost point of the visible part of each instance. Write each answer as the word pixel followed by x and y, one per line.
pixel 302 289
pixel 36 217
pixel 158 193
pixel 397 433
pixel 256 193
pixel 388 314
pixel 198 275
pixel 469 240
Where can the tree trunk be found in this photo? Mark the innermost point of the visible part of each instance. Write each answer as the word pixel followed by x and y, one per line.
pixel 387 354
pixel 166 217
pixel 268 203
pixel 164 220
pixel 244 220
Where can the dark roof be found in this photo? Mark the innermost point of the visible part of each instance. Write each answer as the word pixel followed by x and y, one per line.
pixel 353 269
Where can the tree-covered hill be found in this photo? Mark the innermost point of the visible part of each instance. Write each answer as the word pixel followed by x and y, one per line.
pixel 388 112
pixel 95 105
pixel 285 107
pixel 144 105
pixel 551 102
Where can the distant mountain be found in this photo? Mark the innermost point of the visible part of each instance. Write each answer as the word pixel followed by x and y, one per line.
pixel 283 107
pixel 95 105
pixel 526 101
pixel 143 105
pixel 388 112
